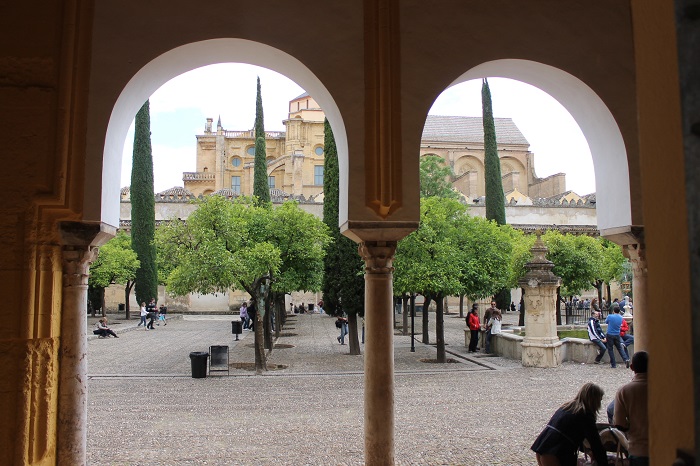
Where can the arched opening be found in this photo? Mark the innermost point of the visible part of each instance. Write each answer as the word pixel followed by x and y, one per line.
pixel 173 63
pixel 595 120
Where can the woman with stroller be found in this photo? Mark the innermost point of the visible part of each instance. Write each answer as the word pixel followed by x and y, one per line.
pixel 559 442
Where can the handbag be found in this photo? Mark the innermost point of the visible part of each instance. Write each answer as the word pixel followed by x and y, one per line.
pixel 338 323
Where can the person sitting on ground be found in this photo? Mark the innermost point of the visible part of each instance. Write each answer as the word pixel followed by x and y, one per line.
pixel 595 334
pixel 103 330
pixel 559 442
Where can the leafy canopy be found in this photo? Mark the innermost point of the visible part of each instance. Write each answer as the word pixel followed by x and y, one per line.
pixel 116 263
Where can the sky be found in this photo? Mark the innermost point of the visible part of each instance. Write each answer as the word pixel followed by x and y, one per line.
pixel 180 107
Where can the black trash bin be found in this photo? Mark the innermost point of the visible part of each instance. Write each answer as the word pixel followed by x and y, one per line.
pixel 199 364
pixel 236 327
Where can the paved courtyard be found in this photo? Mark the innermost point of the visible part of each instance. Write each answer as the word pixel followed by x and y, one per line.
pixel 145 409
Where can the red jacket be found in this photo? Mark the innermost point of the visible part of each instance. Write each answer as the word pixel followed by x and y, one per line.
pixel 624 328
pixel 473 321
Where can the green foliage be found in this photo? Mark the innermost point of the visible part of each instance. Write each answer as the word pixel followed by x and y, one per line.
pixel 577 260
pixel 143 208
pixel 452 253
pixel 495 199
pixel 261 188
pixel 342 277
pixel 302 239
pixel 521 254
pixel 435 178
pixel 228 244
pixel 613 261
pixel 485 254
pixel 116 263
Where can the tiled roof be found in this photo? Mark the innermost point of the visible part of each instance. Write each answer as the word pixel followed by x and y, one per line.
pixel 176 192
pixel 305 94
pixel 470 129
pixel 226 192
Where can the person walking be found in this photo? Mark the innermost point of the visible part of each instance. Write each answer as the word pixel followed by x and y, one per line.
pixel 243 313
pixel 612 336
pixel 162 313
pixel 595 334
pixel 144 312
pixel 342 324
pixel 474 326
pixel 559 442
pixel 251 315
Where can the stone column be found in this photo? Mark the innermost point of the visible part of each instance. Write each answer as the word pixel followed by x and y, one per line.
pixel 541 345
pixel 379 352
pixel 79 251
pixel 637 256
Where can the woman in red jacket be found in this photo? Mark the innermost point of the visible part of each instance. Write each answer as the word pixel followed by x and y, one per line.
pixel 474 326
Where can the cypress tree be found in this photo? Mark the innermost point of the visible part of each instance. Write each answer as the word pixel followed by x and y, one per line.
pixel 143 215
pixel 261 188
pixel 343 284
pixel 495 199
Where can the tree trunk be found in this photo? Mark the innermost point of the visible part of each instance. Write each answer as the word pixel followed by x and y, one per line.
pixel 558 305
pixel 521 319
pixel 609 294
pixel 353 339
pixel 260 358
pixel 404 306
pixel 426 304
pixel 599 287
pixel 393 312
pixel 267 326
pixel 446 308
pixel 127 293
pixel 461 306
pixel 440 329
pixel 278 315
pixel 102 302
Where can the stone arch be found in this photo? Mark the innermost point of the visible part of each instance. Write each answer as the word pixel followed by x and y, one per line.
pixel 595 120
pixel 101 199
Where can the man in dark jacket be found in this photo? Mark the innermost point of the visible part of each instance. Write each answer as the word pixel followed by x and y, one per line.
pixel 596 335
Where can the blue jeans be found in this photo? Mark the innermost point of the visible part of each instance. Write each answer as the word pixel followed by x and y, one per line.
pixel 488 341
pixel 343 332
pixel 601 350
pixel 614 341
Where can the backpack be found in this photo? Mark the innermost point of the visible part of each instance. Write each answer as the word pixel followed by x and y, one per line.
pixel 338 323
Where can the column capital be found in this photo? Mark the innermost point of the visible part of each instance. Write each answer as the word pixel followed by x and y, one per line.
pixel 637 255
pixel 378 256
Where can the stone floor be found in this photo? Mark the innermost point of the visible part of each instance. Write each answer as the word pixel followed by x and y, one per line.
pixel 145 409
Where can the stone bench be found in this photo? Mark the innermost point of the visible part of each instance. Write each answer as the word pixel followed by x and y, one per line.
pixel 508 345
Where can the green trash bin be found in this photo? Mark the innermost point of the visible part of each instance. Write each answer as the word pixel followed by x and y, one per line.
pixel 199 364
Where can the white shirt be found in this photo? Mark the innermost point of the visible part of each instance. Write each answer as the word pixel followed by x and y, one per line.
pixel 495 326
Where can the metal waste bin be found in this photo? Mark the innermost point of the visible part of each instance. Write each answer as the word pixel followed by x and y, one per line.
pixel 236 328
pixel 199 364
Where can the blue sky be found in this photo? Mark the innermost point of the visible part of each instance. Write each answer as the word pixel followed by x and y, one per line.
pixel 179 109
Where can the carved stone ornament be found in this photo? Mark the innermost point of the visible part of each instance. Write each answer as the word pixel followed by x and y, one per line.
pixel 378 256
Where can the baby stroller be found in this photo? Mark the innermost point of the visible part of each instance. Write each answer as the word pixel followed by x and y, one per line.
pixel 614 441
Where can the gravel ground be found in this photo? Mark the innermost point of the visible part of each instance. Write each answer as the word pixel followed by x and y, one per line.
pixel 145 409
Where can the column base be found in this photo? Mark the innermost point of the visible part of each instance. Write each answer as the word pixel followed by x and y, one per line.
pixel 541 353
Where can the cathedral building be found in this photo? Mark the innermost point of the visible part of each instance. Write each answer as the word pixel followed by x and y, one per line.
pixel 225 159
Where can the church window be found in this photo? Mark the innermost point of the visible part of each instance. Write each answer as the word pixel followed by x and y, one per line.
pixel 319 151
pixel 236 184
pixel 236 161
pixel 250 150
pixel 318 175
pixel 271 182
